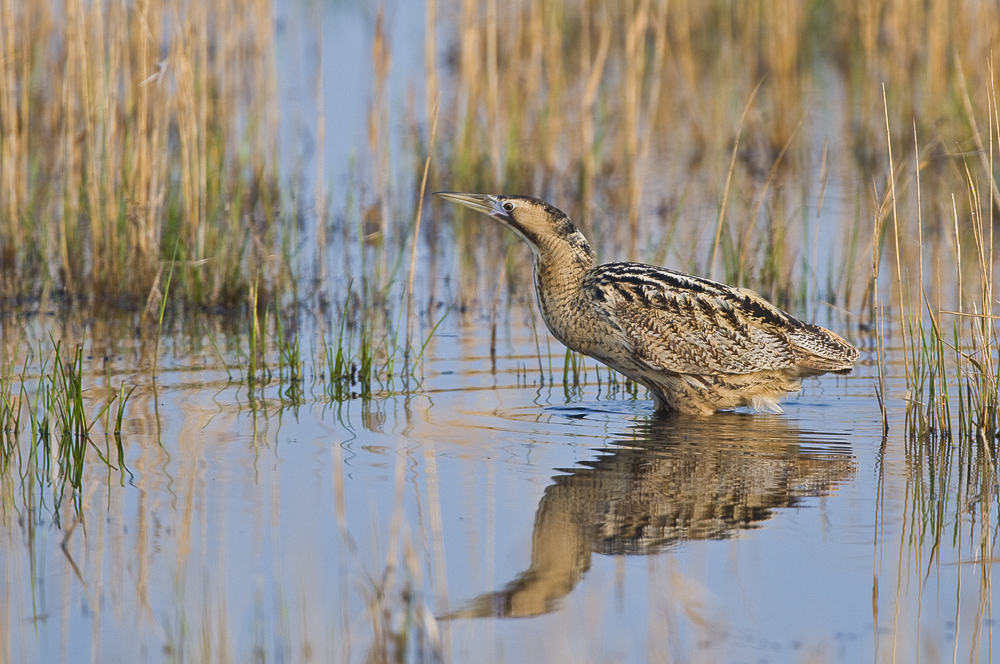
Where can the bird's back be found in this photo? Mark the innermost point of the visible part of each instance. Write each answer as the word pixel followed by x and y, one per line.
pixel 689 324
pixel 701 345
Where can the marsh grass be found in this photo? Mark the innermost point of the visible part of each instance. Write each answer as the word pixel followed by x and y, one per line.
pixel 346 366
pixel 135 162
pixel 163 168
pixel 618 114
pixel 123 136
pixel 138 170
pixel 48 424
pixel 950 346
pixel 10 411
pixel 290 363
pixel 951 351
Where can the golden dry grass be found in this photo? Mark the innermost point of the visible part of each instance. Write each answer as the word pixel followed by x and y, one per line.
pixel 127 128
pixel 649 111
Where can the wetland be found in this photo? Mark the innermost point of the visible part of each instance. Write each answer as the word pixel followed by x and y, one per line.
pixel 263 398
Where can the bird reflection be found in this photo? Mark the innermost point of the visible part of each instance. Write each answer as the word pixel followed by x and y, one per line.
pixel 665 481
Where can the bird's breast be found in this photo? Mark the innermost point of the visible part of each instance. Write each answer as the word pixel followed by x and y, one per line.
pixel 577 319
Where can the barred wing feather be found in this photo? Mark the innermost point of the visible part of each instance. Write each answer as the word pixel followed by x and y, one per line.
pixel 688 325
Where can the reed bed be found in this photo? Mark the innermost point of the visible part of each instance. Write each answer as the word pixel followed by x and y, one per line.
pixel 638 116
pixel 943 296
pixel 675 132
pixel 129 130
pixel 158 130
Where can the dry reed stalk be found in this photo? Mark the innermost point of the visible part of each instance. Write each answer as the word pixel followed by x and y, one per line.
pixel 13 155
pixel 190 76
pixel 416 229
pixel 729 179
pixel 534 34
pixel 592 71
pixel 636 20
pixel 492 89
pixel 784 23
pixel 958 257
pixel 984 156
pixel 982 337
pixel 937 47
pixel 683 42
pixel 430 57
pixel 116 66
pixel 378 121
pixel 747 235
pixel 82 78
pixel 267 73
pixel 104 65
pixel 65 227
pixel 375 227
pixel 468 83
pixel 142 238
pixel 555 85
pixel 652 100
pixel 200 39
pixel 920 227
pixel 320 193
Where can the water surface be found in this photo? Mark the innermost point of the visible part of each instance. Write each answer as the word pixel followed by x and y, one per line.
pixel 491 518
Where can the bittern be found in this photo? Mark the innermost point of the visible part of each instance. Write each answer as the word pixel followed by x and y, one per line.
pixel 698 345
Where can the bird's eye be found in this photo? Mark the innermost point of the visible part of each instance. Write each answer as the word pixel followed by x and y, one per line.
pixel 508 206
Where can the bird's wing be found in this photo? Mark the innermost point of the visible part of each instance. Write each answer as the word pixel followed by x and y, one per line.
pixel 684 324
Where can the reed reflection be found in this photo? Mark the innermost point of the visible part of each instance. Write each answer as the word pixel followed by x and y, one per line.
pixel 665 481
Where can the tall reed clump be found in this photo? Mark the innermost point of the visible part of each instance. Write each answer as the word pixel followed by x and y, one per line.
pixel 947 329
pixel 127 129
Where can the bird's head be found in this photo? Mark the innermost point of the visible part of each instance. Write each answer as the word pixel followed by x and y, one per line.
pixel 541 225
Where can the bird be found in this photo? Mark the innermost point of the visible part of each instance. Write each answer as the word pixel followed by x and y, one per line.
pixel 698 345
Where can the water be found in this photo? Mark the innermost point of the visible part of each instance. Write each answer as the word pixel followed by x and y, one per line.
pixel 536 524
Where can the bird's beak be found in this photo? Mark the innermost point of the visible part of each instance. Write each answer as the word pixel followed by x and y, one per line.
pixel 478 202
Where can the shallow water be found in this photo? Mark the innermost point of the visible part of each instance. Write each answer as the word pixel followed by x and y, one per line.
pixel 490 518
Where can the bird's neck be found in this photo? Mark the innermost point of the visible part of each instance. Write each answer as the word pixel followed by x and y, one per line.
pixel 560 268
pixel 561 265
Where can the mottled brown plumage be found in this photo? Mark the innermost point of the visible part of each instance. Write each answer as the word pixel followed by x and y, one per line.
pixel 698 345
